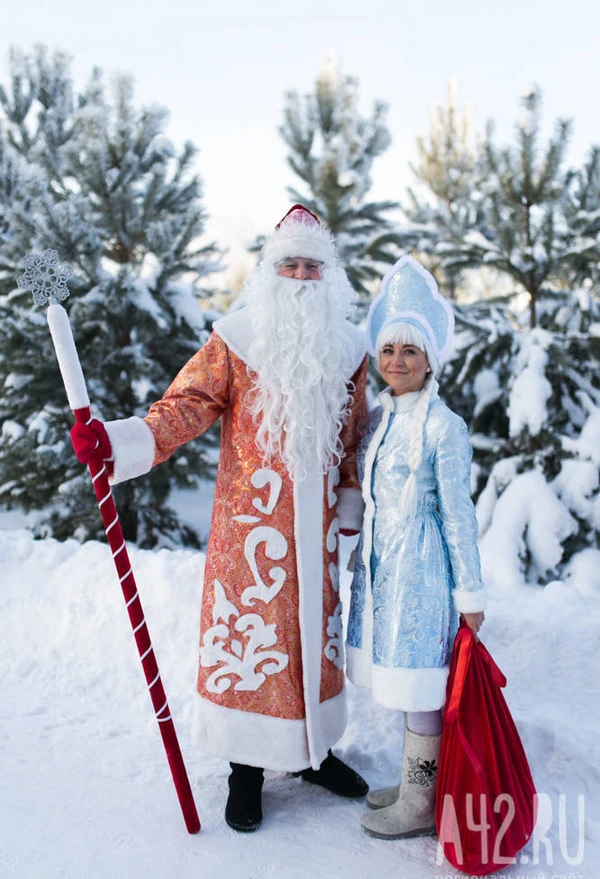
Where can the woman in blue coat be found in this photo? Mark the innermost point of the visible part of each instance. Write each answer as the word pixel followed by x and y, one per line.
pixel 417 563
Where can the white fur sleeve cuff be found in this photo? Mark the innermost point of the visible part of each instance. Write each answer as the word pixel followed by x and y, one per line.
pixel 132 444
pixel 469 600
pixel 350 508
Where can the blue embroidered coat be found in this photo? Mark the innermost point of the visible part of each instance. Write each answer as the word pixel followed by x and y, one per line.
pixel 411 581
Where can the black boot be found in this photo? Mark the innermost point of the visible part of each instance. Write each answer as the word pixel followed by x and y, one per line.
pixel 337 777
pixel 244 804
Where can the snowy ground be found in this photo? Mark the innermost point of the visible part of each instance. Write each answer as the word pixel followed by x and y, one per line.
pixel 85 791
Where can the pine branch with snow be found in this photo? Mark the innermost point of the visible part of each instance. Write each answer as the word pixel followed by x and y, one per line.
pixel 532 401
pixel 517 210
pixel 95 178
pixel 443 205
pixel 332 148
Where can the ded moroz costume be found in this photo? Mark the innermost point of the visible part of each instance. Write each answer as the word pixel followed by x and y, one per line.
pixel 286 374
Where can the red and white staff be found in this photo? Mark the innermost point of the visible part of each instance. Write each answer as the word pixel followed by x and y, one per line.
pixel 47 278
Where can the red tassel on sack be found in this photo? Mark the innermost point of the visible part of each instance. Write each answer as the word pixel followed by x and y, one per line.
pixel 486 799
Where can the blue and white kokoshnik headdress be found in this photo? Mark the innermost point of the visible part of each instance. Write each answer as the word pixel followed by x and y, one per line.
pixel 409 294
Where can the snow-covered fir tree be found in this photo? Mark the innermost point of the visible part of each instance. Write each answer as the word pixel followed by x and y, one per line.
pixel 332 148
pixel 518 212
pixel 94 177
pixel 532 400
pixel 524 376
pixel 533 211
pixel 442 206
pixel 581 205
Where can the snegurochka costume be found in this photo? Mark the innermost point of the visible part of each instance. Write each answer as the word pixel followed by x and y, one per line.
pixel 417 560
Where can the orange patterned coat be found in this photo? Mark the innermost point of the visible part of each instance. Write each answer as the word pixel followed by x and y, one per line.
pixel 270 680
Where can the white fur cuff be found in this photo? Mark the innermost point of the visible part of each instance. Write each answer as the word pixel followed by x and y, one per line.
pixel 358 666
pixel 469 600
pixel 350 508
pixel 132 444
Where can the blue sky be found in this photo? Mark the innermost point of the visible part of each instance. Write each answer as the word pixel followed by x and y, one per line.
pixel 222 68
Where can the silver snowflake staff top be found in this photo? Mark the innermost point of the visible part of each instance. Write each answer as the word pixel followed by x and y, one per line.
pixel 46 276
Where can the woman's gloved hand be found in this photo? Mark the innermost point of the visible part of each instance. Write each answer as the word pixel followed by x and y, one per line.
pixel 88 438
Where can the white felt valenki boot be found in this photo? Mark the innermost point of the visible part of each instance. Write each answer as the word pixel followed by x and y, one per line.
pixel 385 796
pixel 413 813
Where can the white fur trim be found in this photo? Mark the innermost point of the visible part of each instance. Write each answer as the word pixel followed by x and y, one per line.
pixel 402 689
pixel 404 402
pixel 358 666
pixel 410 689
pixel 469 600
pixel 350 508
pixel 132 444
pixel 357 342
pixel 271 742
pixel 307 240
pixel 369 514
pixel 66 354
pixel 308 533
pixel 236 331
pixel 306 248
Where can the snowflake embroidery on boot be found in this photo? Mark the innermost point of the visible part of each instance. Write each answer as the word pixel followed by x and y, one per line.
pixel 45 276
pixel 421 771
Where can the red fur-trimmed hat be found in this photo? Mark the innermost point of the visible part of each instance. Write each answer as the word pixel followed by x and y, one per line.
pixel 300 233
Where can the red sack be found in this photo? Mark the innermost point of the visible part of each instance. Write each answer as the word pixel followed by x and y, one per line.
pixel 486 800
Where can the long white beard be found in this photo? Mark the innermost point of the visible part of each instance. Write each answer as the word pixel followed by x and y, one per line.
pixel 300 395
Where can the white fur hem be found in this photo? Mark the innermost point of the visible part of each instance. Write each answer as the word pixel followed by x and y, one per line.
pixel 132 444
pixel 469 600
pixel 259 740
pixel 403 689
pixel 350 508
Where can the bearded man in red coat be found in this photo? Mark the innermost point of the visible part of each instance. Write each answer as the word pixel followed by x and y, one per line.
pixel 286 374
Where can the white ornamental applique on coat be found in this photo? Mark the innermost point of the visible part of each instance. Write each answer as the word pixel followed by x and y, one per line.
pixel 334 649
pixel 248 661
